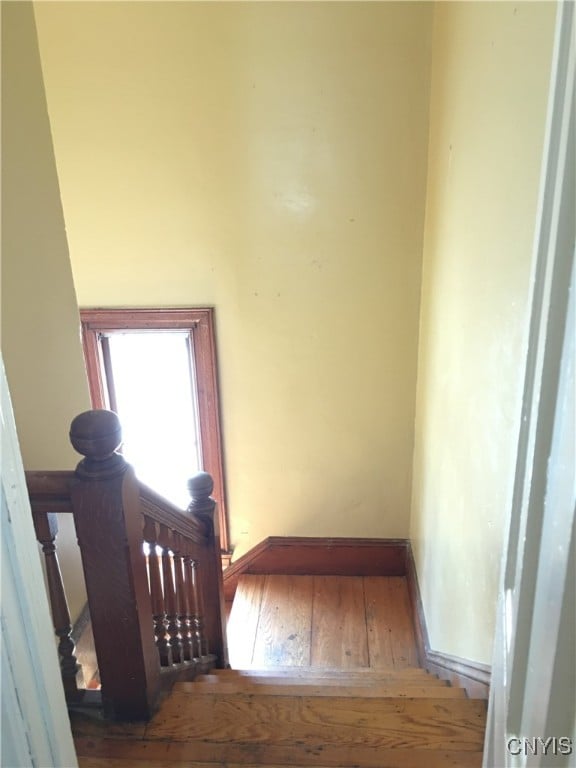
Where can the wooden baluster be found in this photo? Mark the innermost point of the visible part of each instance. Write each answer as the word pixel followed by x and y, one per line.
pixel 46 527
pixel 106 503
pixel 182 601
pixel 173 625
pixel 199 638
pixel 194 618
pixel 156 594
pixel 210 585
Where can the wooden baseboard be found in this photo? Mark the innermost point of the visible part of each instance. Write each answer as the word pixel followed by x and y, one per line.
pixel 308 556
pixel 471 675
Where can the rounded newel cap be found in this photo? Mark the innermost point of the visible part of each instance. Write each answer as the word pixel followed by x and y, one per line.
pixel 201 485
pixel 96 434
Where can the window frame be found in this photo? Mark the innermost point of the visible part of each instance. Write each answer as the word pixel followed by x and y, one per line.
pixel 199 322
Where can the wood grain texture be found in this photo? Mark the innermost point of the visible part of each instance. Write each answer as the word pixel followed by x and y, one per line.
pixel 284 626
pixel 162 754
pixel 304 679
pixel 238 719
pixel 109 527
pixel 332 672
pixel 339 623
pixel 354 691
pixel 354 622
pixel 49 491
pixel 86 726
pixel 391 638
pixel 105 762
pixel 392 723
pixel 243 621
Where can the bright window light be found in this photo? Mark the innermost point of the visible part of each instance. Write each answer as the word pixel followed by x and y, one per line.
pixel 156 403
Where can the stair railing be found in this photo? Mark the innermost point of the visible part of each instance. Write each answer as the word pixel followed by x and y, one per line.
pixel 152 572
pixel 49 493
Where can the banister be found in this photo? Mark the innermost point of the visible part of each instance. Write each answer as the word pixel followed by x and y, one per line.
pixel 203 507
pixel 105 498
pixel 163 511
pixel 152 571
pixel 49 491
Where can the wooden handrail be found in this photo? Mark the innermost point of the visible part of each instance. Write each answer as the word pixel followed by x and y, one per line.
pixel 49 491
pixel 152 571
pixel 162 511
pixel 186 577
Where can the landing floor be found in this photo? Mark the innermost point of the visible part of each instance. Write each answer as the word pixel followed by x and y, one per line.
pixel 321 621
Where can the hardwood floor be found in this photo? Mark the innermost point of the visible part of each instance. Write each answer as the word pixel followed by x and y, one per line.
pixel 232 718
pixel 326 677
pixel 337 622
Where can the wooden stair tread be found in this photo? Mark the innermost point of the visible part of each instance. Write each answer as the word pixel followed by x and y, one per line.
pixel 233 722
pixel 348 680
pixel 328 671
pixel 106 753
pixel 417 759
pixel 301 689
pixel 362 678
pixel 106 762
pixel 329 683
pixel 394 723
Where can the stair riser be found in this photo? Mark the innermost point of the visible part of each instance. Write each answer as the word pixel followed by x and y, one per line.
pixel 223 689
pixel 328 671
pixel 343 682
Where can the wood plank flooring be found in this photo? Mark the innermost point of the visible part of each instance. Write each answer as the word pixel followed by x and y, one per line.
pixel 285 622
pixel 284 720
pixel 258 724
pixel 326 677
pixel 338 622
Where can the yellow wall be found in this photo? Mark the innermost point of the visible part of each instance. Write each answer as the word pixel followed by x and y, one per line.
pixel 268 159
pixel 40 325
pixel 490 74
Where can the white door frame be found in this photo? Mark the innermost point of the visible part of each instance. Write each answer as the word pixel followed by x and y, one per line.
pixel 35 727
pixel 531 709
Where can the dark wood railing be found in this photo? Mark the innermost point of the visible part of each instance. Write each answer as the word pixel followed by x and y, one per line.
pixel 153 574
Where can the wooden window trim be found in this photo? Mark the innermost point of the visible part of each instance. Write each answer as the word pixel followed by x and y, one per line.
pixel 200 323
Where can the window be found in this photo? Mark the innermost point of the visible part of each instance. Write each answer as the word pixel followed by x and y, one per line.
pixel 156 368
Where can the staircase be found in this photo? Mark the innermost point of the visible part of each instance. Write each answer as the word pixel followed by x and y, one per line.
pixel 325 707
pixel 350 696
pixel 385 719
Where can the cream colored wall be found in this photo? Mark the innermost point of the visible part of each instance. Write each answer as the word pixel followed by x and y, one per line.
pixel 268 159
pixel 490 75
pixel 40 326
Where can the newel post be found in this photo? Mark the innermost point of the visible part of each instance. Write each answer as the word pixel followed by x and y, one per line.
pixel 106 504
pixel 203 507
